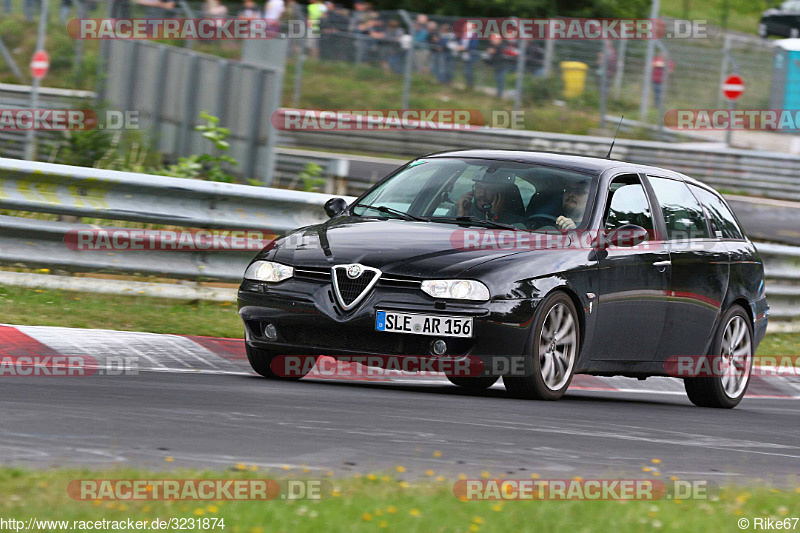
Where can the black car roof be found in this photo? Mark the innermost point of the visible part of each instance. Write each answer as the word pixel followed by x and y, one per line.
pixel 579 163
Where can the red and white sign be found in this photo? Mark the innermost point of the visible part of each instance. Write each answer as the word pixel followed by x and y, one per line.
pixel 733 87
pixel 40 64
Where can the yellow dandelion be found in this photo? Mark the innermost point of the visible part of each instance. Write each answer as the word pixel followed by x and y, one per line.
pixel 656 473
pixel 122 507
pixel 378 513
pixel 440 478
pixel 656 461
pixel 336 493
pixel 241 466
pixel 286 467
pixel 485 474
pixel 329 473
pixel 464 476
pixel 212 508
pixel 97 502
pixel 404 484
pixel 391 509
pixel 199 512
pixel 366 517
pixel 385 478
pixel 577 478
pixel 400 469
pixel 382 523
pixel 111 505
pixel 474 528
pixel 535 476
pixel 646 469
pixel 429 472
pixel 673 478
pixel 414 512
pixel 146 509
pixel 497 507
pixel 257 530
pixel 372 477
pixel 437 453
pixel 477 520
pixel 253 468
pixel 678 501
pixel 168 459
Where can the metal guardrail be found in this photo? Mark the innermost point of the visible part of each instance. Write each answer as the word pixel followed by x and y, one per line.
pixel 109 195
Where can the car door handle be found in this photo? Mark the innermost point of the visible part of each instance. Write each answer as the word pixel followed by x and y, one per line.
pixel 662 265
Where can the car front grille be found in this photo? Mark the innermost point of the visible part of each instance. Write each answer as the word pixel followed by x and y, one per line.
pixel 351 289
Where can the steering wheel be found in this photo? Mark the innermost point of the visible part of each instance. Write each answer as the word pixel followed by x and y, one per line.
pixel 549 221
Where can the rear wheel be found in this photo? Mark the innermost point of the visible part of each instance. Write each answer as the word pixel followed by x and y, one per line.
pixel 261 361
pixel 734 343
pixel 473 384
pixel 553 351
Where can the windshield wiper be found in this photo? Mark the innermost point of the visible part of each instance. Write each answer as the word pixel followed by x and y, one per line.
pixel 396 212
pixel 474 220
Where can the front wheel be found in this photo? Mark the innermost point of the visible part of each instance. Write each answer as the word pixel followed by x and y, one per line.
pixel 552 352
pixel 734 343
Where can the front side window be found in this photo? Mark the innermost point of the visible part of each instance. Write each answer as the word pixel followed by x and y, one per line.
pixel 723 222
pixel 683 214
pixel 627 204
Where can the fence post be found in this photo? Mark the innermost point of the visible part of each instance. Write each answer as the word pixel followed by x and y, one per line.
pixel 81 9
pixel 298 73
pixel 549 45
pixel 603 83
pixel 521 46
pixel 30 139
pixel 621 53
pixel 723 69
pixel 189 105
pixel 644 104
pixel 256 109
pixel 664 89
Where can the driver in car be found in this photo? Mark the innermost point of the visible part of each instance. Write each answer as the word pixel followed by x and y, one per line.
pixel 576 194
pixel 494 196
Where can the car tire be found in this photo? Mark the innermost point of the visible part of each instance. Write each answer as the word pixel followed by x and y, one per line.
pixel 794 33
pixel 548 373
pixel 726 391
pixel 473 384
pixel 261 361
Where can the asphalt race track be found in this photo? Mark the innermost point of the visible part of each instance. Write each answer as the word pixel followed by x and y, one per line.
pixel 220 418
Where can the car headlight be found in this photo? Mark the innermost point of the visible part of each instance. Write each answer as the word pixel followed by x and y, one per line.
pixel 268 271
pixel 457 289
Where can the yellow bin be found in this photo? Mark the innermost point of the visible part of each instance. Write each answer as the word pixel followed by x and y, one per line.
pixel 574 75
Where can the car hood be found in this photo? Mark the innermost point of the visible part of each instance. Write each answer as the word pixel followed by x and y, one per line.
pixel 396 247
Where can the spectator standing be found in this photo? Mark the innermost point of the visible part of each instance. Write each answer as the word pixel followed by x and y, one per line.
pixel 659 65
pixel 393 46
pixel 502 56
pixel 273 11
pixel 444 54
pixel 316 11
pixel 421 52
pixel 468 49
pixel 250 10
pixel 157 9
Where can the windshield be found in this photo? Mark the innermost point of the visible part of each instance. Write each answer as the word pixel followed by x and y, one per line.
pixel 518 195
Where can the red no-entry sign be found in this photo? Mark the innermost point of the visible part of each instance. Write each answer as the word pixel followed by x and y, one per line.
pixel 40 64
pixel 733 87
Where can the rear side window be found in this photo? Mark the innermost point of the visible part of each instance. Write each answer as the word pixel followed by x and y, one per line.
pixel 683 214
pixel 722 220
pixel 627 204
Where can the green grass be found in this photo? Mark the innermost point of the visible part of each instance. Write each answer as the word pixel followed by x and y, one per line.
pixel 385 502
pixel 41 307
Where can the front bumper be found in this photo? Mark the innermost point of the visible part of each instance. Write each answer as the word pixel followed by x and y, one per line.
pixel 310 322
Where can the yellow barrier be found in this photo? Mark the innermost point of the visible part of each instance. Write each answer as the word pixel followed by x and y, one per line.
pixel 574 75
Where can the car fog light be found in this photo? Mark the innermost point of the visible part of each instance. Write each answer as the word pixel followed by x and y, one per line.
pixel 439 347
pixel 270 332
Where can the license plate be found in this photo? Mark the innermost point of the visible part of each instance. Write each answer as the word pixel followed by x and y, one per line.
pixel 439 326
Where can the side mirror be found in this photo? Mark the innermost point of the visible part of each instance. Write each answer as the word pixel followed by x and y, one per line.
pixel 627 236
pixel 335 206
